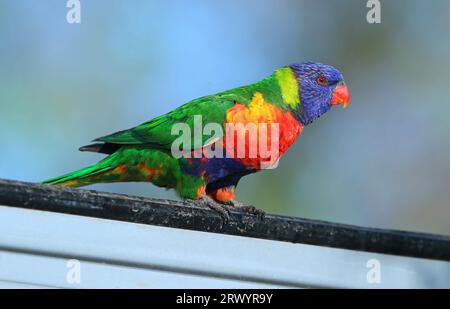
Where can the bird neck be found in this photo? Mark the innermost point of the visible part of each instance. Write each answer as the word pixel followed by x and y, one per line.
pixel 281 89
pixel 289 89
pixel 289 84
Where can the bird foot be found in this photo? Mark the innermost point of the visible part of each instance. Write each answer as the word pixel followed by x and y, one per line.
pixel 247 209
pixel 221 209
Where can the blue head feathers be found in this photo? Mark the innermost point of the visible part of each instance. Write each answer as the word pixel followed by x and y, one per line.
pixel 317 85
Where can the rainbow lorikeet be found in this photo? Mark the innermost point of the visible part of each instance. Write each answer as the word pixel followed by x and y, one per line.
pixel 292 97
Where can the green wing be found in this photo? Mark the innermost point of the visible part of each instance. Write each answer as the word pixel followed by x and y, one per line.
pixel 157 132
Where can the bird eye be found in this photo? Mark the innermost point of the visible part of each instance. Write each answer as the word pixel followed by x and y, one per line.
pixel 321 80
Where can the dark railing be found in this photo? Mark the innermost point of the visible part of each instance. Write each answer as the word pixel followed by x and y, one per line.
pixel 177 214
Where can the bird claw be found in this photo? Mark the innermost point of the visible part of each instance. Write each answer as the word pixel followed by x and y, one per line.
pixel 221 209
pixel 224 211
pixel 247 209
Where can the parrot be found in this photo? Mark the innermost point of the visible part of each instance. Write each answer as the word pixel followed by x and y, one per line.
pixel 292 97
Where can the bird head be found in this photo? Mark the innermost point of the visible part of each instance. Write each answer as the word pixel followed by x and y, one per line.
pixel 320 87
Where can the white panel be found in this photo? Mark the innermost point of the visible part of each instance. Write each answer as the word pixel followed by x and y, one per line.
pixel 42 271
pixel 36 245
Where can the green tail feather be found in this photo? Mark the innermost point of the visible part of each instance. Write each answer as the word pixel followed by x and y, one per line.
pixel 132 164
pixel 81 177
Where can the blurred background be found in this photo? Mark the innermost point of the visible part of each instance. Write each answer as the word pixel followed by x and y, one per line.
pixel 383 162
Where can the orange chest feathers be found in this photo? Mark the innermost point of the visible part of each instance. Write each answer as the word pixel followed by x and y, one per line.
pixel 261 129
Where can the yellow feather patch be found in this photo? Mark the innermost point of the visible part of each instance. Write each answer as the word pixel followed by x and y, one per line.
pixel 258 111
pixel 289 86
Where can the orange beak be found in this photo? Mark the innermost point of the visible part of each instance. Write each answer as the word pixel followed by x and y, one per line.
pixel 340 95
